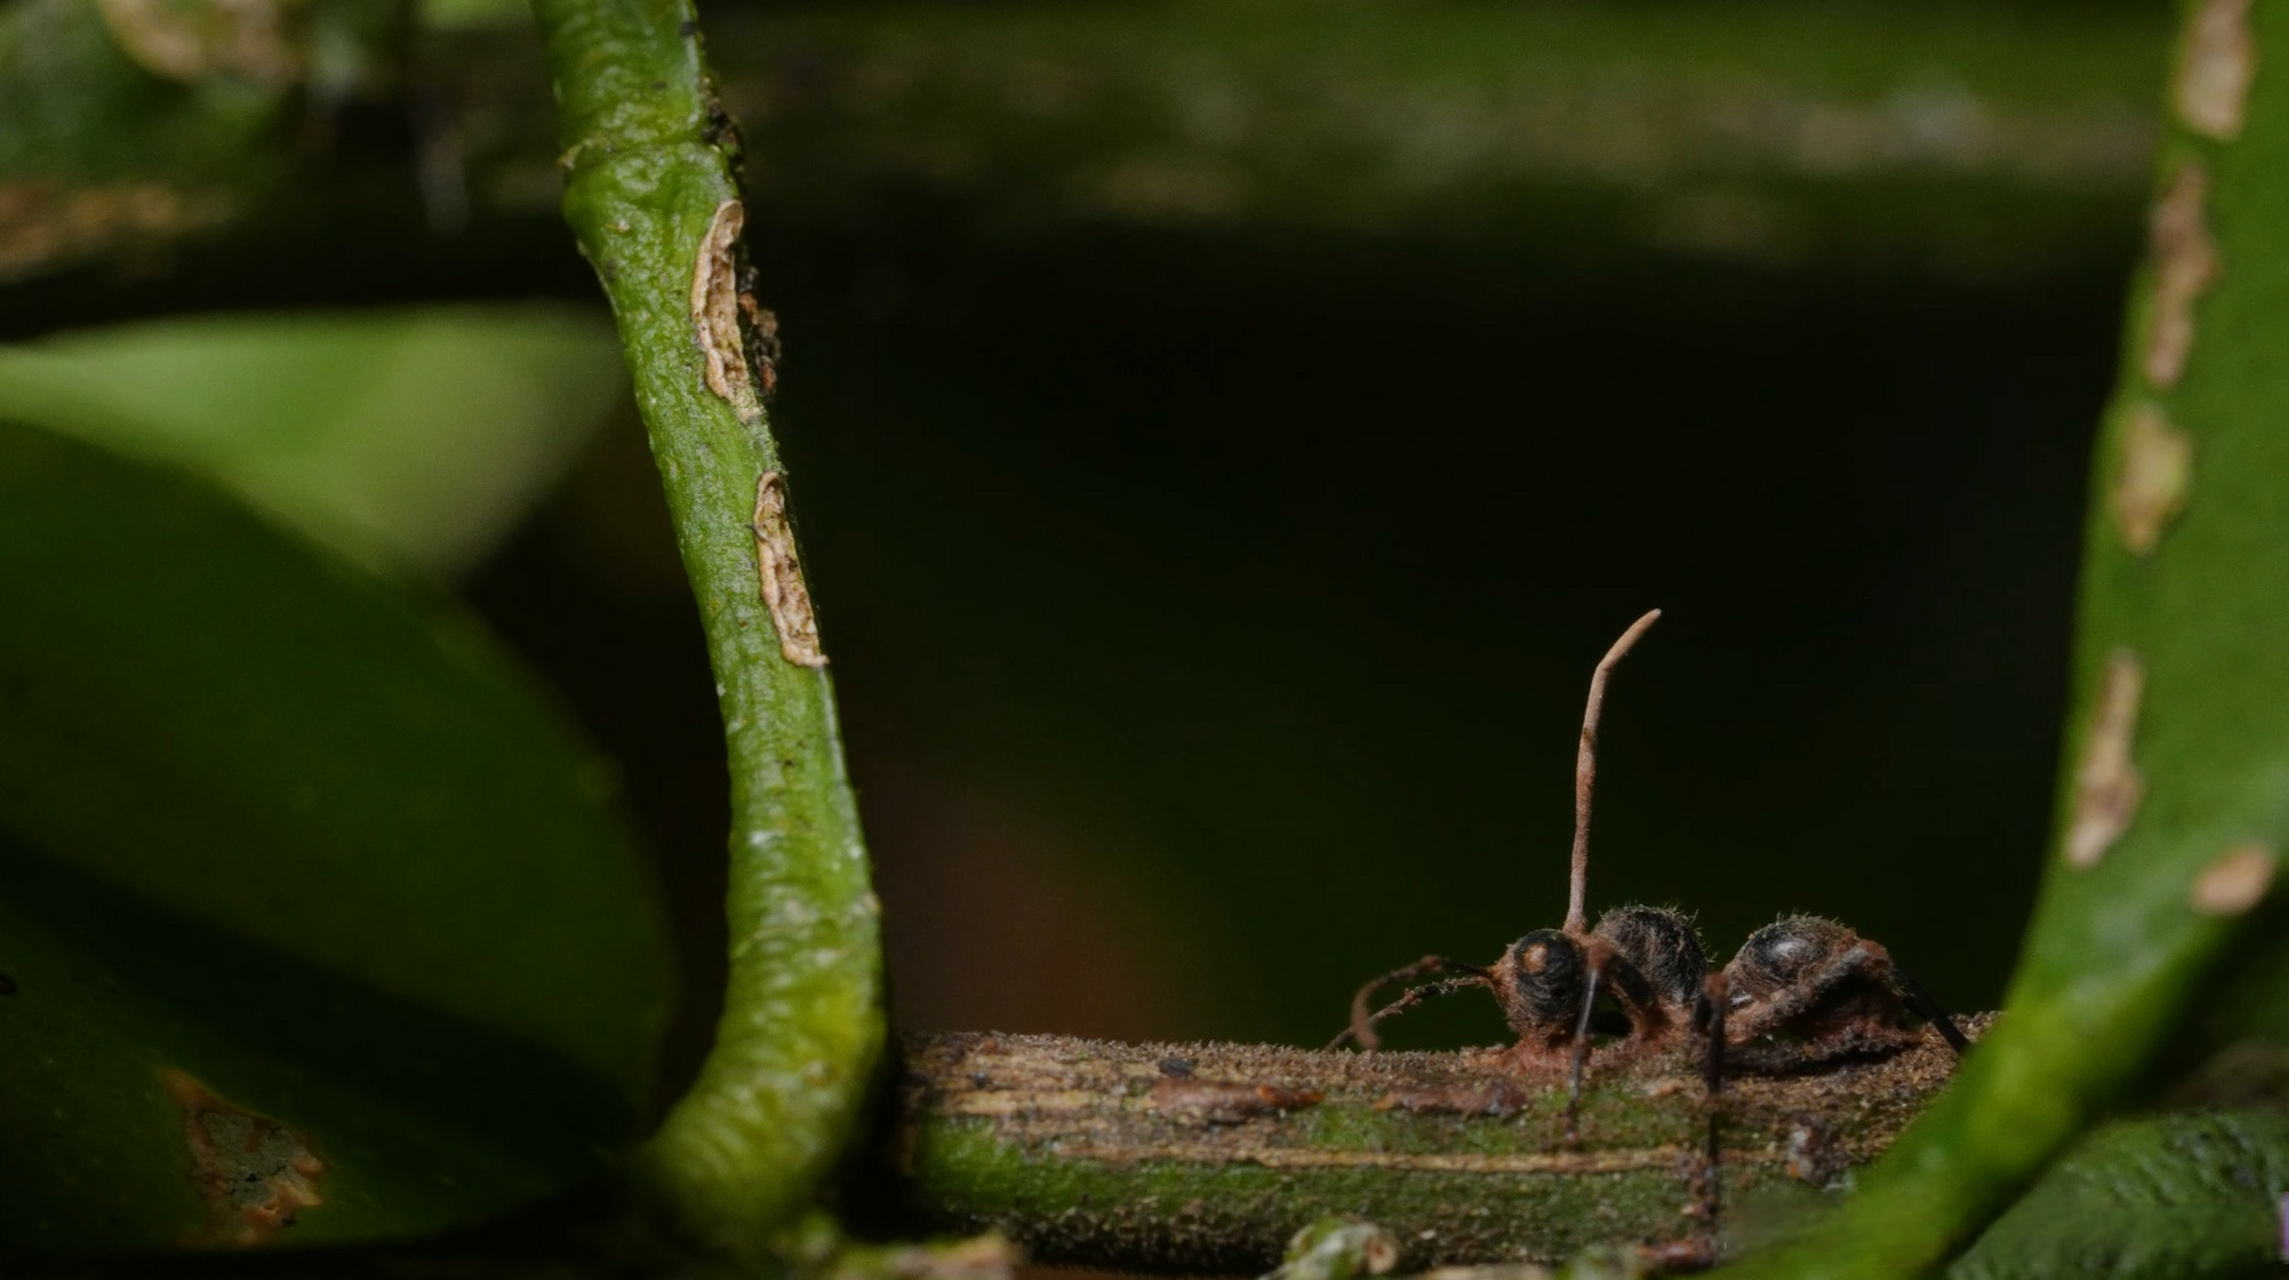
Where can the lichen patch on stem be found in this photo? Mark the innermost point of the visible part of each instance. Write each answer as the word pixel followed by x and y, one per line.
pixel 715 312
pixel 2234 881
pixel 2156 473
pixel 2214 69
pixel 254 1173
pixel 784 592
pixel 2185 265
pixel 2108 787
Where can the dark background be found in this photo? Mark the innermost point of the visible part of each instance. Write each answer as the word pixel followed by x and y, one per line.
pixel 1211 609
pixel 1212 615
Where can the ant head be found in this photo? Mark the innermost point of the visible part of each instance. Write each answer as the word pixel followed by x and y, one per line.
pixel 1539 982
pixel 1784 951
pixel 1664 946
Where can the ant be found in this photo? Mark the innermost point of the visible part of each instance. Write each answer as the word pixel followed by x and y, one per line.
pixel 1803 977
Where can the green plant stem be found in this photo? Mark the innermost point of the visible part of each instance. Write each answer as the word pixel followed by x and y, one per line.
pixel 645 179
pixel 1208 1157
pixel 2174 804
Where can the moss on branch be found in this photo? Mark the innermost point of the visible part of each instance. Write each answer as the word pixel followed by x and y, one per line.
pixel 1208 1157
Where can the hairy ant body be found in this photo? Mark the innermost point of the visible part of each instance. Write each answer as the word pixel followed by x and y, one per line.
pixel 1801 977
pixel 1826 985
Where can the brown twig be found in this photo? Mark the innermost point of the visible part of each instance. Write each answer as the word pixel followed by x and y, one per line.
pixel 1206 1157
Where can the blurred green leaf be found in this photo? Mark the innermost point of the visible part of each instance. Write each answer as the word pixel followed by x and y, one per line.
pixel 2176 1195
pixel 267 824
pixel 2173 804
pixel 403 439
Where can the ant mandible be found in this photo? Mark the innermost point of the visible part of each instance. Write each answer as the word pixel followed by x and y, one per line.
pixel 1801 976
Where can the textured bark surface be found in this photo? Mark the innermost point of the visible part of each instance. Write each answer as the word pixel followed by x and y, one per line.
pixel 1206 1157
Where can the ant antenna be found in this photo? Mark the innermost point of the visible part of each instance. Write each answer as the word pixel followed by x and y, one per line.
pixel 1586 774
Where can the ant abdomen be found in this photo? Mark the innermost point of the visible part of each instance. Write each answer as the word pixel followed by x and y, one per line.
pixel 1819 980
pixel 1784 953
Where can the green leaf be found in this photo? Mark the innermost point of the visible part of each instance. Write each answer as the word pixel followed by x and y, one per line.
pixel 2181 1196
pixel 412 438
pixel 268 826
pixel 2174 793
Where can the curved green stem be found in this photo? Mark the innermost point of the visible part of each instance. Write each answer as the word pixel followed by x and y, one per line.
pixel 649 189
pixel 2174 804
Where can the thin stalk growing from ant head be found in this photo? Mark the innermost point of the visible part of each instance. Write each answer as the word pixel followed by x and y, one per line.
pixel 1586 774
pixel 1532 980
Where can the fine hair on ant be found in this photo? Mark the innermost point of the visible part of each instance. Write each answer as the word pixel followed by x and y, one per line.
pixel 1811 980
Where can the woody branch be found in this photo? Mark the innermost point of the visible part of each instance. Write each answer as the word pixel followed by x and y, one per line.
pixel 1206 1157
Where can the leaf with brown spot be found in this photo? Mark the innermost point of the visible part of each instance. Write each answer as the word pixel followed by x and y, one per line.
pixel 254 1173
pixel 269 824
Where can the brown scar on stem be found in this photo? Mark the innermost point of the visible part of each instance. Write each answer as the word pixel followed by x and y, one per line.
pixel 784 592
pixel 2234 881
pixel 1226 1101
pixel 254 1173
pixel 2108 787
pixel 764 350
pixel 2214 69
pixel 715 312
pixel 2156 473
pixel 2185 265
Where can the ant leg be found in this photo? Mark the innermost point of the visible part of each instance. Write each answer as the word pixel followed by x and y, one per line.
pixel 1581 1053
pixel 1709 1019
pixel 1862 961
pixel 1608 970
pixel 1361 1024
pixel 1363 1029
pixel 1920 1003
